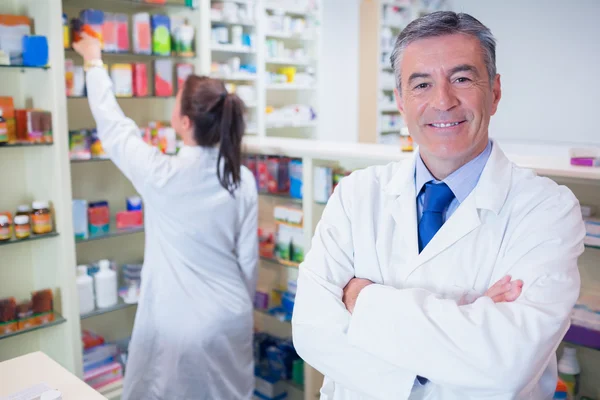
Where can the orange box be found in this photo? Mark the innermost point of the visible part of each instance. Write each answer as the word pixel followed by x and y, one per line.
pixel 8 327
pixel 28 323
pixel 8 107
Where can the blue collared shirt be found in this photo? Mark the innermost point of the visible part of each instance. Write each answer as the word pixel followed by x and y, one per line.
pixel 461 182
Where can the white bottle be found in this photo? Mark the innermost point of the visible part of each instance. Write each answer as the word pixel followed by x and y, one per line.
pixel 569 370
pixel 85 287
pixel 106 285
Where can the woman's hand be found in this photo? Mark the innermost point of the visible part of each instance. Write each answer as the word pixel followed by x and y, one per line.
pixel 88 47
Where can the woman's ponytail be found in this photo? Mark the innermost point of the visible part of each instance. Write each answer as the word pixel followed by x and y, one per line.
pixel 218 119
pixel 232 127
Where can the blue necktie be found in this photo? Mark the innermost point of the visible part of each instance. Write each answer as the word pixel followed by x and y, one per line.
pixel 437 199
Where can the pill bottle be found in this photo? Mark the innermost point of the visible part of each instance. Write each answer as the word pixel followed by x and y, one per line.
pixel 23 209
pixel 5 231
pixel 22 226
pixel 41 219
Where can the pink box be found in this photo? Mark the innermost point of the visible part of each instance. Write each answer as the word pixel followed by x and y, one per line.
pixel 105 375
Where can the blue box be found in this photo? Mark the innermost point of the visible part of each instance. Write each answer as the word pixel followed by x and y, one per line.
pixel 35 51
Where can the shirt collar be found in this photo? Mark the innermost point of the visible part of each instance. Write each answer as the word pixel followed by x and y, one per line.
pixel 462 181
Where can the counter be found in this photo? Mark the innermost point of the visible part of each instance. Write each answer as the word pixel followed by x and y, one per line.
pixel 23 372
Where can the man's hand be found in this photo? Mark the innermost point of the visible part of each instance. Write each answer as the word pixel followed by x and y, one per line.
pixel 352 290
pixel 505 290
pixel 88 48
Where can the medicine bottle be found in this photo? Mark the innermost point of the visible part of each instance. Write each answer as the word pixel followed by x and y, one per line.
pixel 5 231
pixel 22 227
pixel 3 128
pixel 41 219
pixel 23 209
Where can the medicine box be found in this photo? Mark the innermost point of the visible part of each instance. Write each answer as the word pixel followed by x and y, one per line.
pixel 122 78
pixel 161 35
pixel 142 34
pixel 12 30
pixel 163 78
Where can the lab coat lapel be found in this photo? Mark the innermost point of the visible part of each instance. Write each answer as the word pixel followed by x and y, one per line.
pixel 464 220
pixel 490 193
pixel 403 231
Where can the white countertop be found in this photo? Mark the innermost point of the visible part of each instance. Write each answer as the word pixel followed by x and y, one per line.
pixel 23 372
pixel 545 159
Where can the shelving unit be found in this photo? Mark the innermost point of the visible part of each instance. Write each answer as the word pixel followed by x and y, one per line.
pixel 121 305
pixel 32 238
pixel 58 319
pixel 114 232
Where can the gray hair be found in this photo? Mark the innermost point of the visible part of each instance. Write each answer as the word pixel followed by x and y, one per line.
pixel 443 23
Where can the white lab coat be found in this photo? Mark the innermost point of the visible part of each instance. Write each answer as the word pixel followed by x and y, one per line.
pixel 425 314
pixel 192 337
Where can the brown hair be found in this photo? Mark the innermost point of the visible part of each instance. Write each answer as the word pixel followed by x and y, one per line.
pixel 218 119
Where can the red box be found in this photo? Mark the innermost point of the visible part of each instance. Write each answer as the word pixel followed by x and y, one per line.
pixel 129 219
pixel 140 80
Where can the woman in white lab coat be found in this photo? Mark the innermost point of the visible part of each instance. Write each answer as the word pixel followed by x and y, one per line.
pixel 192 337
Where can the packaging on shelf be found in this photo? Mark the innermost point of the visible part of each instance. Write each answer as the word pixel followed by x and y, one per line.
pixel 8 114
pixel 13 28
pixel 80 219
pixel 96 149
pixel 35 51
pixel 98 218
pixel 79 147
pixel 183 36
pixel 66 32
pixel 109 33
pixel 34 126
pixel 122 79
pixel 161 35
pixel 122 27
pixel 183 71
pixel 129 219
pixel 92 22
pixel 78 89
pixel 163 78
pixel 322 184
pixel 69 76
pixel 140 80
pixel 142 34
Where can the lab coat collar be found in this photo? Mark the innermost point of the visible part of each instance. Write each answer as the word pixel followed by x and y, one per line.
pixel 491 190
pixel 490 193
pixel 208 154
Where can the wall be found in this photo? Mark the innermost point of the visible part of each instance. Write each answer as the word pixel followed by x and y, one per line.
pixel 338 80
pixel 547 55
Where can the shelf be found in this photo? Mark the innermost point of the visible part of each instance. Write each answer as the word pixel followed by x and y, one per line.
pixel 583 337
pixel 30 239
pixel 121 305
pixel 226 48
pixel 112 391
pixel 395 3
pixel 280 196
pixel 312 124
pixel 387 88
pixel 91 160
pixel 389 109
pixel 127 3
pixel 22 67
pixel 589 246
pixel 286 61
pixel 134 55
pixel 284 263
pixel 391 131
pixel 294 385
pixel 290 86
pixel 114 232
pixel 58 319
pixel 289 11
pixel 244 23
pixel 278 318
pixel 290 36
pixel 126 98
pixel 236 77
pixel 13 145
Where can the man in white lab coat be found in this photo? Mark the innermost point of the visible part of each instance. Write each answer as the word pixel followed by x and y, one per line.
pixel 393 298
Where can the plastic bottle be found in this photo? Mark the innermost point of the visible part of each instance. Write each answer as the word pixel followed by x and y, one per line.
pixel 569 370
pixel 106 285
pixel 85 288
